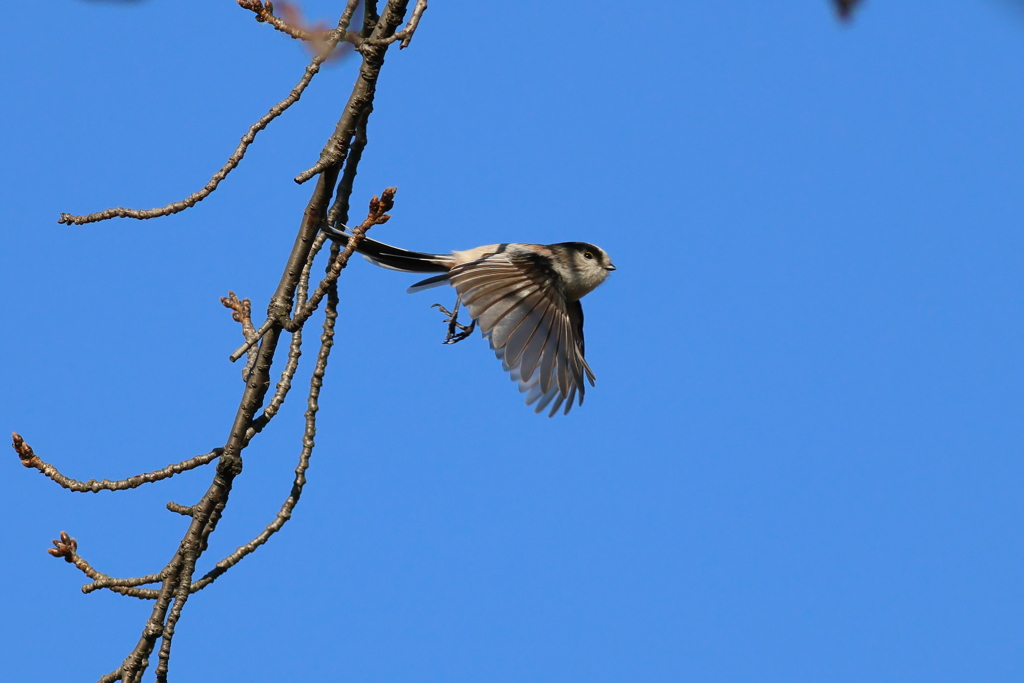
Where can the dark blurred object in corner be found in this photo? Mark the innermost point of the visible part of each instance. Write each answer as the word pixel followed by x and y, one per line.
pixel 845 8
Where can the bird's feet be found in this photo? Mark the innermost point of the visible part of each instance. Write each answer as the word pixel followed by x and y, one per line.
pixel 456 330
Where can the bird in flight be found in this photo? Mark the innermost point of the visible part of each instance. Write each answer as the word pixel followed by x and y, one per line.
pixel 526 299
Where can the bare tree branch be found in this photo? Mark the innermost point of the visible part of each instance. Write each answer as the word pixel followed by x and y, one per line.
pixel 337 217
pixel 337 146
pixel 242 313
pixel 30 459
pixel 370 18
pixel 284 385
pixel 233 160
pixel 414 21
pixel 290 307
pixel 258 335
pixel 181 595
pixel 67 548
pixel 302 291
pixel 405 35
pixel 180 509
pixel 295 348
pixel 265 13
pixel 308 442
pixel 111 582
pixel 230 465
pixel 317 36
pixel 337 214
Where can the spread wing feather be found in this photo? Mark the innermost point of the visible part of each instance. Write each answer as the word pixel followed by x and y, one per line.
pixel 520 338
pixel 515 329
pixel 535 347
pixel 538 336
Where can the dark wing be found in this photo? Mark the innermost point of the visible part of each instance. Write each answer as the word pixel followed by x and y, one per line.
pixel 520 306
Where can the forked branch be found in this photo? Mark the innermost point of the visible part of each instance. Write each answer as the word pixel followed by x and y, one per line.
pixel 312 407
pixel 373 49
pixel 67 548
pixel 405 35
pixel 241 312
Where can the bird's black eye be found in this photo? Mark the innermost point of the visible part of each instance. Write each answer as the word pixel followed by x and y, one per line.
pixel 588 255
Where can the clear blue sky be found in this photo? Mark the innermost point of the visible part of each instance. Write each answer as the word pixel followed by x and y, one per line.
pixel 801 461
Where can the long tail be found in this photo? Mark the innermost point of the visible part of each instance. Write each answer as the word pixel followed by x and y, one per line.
pixel 393 258
pixel 386 256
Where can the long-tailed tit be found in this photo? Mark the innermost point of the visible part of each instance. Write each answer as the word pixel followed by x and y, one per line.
pixel 526 299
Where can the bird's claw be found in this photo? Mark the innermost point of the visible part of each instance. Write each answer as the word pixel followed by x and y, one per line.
pixel 456 330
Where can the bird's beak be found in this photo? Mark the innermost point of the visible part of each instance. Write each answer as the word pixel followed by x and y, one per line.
pixel 610 267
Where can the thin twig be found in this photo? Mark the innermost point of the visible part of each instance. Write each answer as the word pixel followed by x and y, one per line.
pixel 317 36
pixel 242 313
pixel 208 527
pixel 265 13
pixel 346 16
pixel 284 385
pixel 405 35
pixel 249 343
pixel 30 459
pixel 111 582
pixel 302 291
pixel 185 510
pixel 338 212
pixel 114 675
pixel 414 21
pixel 67 548
pixel 316 383
pixel 232 162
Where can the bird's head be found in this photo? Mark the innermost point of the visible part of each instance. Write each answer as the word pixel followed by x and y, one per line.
pixel 589 266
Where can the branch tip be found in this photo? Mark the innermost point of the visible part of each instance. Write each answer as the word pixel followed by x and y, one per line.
pixel 66 547
pixel 30 459
pixel 180 509
pixel 379 206
pixel 241 308
pixel 322 39
pixel 261 9
pixel 23 450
